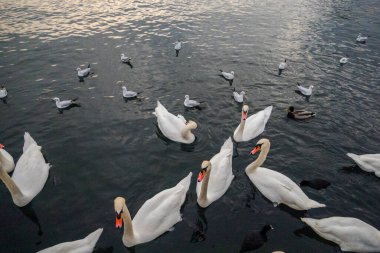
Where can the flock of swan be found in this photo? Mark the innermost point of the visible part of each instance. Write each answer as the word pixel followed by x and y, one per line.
pixel 161 212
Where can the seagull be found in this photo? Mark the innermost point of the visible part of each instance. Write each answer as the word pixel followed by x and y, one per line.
pixel 3 92
pixel 228 76
pixel 239 97
pixel 178 45
pixel 191 103
pixel 281 67
pixel 83 72
pixel 305 91
pixel 125 59
pixel 344 60
pixel 361 38
pixel 128 93
pixel 65 103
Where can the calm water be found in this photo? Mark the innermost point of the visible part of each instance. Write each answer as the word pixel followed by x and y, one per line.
pixel 109 147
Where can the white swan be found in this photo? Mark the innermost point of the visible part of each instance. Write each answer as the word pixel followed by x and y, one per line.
pixel 239 97
pixel 85 245
pixel 216 175
pixel 228 76
pixel 190 103
pixel 173 127
pixel 253 126
pixel 368 162
pixel 65 103
pixel 305 91
pixel 350 234
pixel 178 45
pixel 6 160
pixel 3 92
pixel 128 93
pixel 275 186
pixel 343 60
pixel 155 217
pixel 30 174
pixel 125 59
pixel 361 39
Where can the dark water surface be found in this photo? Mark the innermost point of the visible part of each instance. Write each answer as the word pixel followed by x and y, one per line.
pixel 109 147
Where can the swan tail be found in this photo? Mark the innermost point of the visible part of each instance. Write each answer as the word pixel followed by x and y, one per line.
pixel 314 204
pixel 228 145
pixel 353 156
pixel 28 141
pixel 92 238
pixel 89 65
pixel 185 183
pixel 75 99
pixel 310 222
pixel 160 109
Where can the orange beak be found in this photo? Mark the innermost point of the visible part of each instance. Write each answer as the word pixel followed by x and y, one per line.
pixel 119 221
pixel 1 146
pixel 255 150
pixel 201 175
pixel 244 115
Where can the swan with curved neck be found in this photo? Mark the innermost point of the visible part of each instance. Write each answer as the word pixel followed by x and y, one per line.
pixel 173 127
pixel 253 126
pixel 216 176
pixel 29 176
pixel 276 187
pixel 155 217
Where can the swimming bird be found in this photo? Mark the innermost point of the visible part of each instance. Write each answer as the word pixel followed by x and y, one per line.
pixel 128 93
pixel 83 72
pixel 317 183
pixel 190 103
pixel 3 92
pixel 155 217
pixel 177 47
pixel 30 174
pixel 305 91
pixel 173 127
pixel 255 239
pixel 252 126
pixel 6 160
pixel 216 176
pixel 368 162
pixel 281 67
pixel 228 76
pixel 299 114
pixel 65 103
pixel 238 97
pixel 343 60
pixel 276 187
pixel 85 245
pixel 350 234
pixel 361 39
pixel 125 59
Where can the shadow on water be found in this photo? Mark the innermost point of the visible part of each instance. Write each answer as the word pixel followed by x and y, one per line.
pixel 184 147
pixel 295 213
pixel 200 226
pixel 307 98
pixel 60 111
pixel 176 53
pixel 308 231
pixel 106 250
pixel 29 212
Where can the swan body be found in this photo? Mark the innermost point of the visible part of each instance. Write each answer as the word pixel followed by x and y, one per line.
pixel 299 114
pixel 350 234
pixel 6 160
pixel 190 103
pixel 361 39
pixel 30 174
pixel 3 92
pixel 178 45
pixel 64 103
pixel 216 176
pixel 125 59
pixel 128 93
pixel 238 97
pixel 343 60
pixel 368 162
pixel 276 187
pixel 305 91
pixel 155 217
pixel 228 76
pixel 85 245
pixel 173 127
pixel 252 126
pixel 84 72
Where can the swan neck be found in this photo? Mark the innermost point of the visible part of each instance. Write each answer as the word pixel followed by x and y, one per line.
pixel 241 128
pixel 128 226
pixel 203 194
pixel 10 184
pixel 260 160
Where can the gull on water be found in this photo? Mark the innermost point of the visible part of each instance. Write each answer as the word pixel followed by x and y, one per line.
pixel 65 103
pixel 239 97
pixel 128 93
pixel 190 103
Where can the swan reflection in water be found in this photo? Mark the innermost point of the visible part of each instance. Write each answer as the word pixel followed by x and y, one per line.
pixel 200 226
pixel 29 212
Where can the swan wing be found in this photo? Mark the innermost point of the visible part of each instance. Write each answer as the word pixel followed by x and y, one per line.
pixel 255 124
pixel 28 141
pixel 160 213
pixel 85 245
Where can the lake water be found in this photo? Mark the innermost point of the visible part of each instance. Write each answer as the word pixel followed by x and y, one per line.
pixel 109 147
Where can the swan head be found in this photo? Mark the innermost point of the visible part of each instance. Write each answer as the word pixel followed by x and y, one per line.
pixel 244 112
pixel 187 97
pixel 202 173
pixel 56 99
pixel 259 145
pixel 119 203
pixel 191 125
